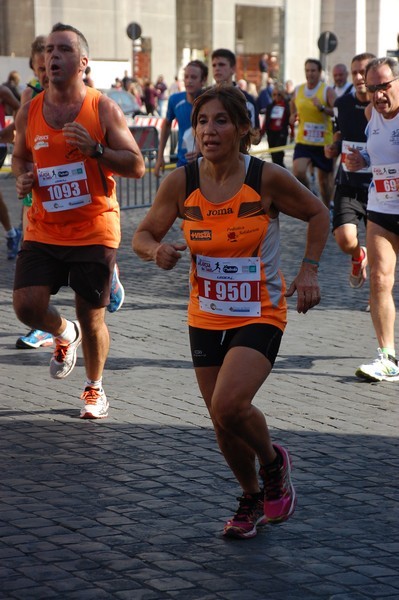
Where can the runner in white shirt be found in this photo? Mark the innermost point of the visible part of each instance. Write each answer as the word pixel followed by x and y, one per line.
pixel 382 83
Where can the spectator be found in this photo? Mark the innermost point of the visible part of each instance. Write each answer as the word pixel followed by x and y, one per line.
pixel 263 68
pixel 161 88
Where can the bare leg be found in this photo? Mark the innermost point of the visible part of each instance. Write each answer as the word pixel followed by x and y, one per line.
pixel 299 169
pixel 347 240
pixel 4 216
pixel 32 307
pixel 95 337
pixel 325 186
pixel 240 427
pixel 382 247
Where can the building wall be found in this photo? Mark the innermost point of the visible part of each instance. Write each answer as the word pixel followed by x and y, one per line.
pixel 302 30
pixel 360 25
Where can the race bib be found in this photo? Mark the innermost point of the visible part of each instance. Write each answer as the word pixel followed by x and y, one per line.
pixel 386 182
pixel 229 286
pixel 277 112
pixel 314 133
pixel 346 149
pixel 64 187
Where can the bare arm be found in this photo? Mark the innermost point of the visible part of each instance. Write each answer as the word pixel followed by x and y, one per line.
pixel 7 97
pixel 333 150
pixel 21 157
pixel 147 240
pixel 282 191
pixel 163 138
pixel 121 153
pixel 328 108
pixel 293 111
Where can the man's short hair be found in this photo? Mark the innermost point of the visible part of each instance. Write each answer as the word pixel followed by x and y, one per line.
pixel 316 62
pixel 224 53
pixel 392 63
pixel 202 66
pixel 363 56
pixel 83 44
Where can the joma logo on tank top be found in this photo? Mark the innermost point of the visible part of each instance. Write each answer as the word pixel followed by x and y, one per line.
pixel 216 212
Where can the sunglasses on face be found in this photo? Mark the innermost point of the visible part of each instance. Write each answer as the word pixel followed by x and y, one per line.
pixel 380 87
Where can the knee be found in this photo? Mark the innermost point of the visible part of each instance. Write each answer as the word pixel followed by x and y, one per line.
pixel 227 414
pixel 25 310
pixel 381 282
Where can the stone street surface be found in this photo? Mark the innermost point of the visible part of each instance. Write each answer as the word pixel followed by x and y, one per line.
pixel 132 507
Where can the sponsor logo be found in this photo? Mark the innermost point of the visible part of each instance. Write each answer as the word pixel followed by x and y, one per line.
pixel 200 234
pixel 216 212
pixel 39 145
pixel 249 269
pixel 46 175
pixel 238 310
pixel 392 171
pixel 395 137
pixel 63 173
pixel 230 269
pixel 40 138
pixel 380 171
pixel 205 265
pixel 232 236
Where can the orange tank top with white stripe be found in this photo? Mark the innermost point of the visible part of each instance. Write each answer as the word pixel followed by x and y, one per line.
pixel 235 278
pixel 74 198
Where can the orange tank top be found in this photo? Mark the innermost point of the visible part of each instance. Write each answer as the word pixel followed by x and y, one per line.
pixel 74 197
pixel 235 278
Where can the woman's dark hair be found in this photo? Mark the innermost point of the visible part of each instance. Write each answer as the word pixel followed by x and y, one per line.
pixel 235 104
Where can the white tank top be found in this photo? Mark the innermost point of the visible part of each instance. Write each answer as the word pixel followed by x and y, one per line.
pixel 383 149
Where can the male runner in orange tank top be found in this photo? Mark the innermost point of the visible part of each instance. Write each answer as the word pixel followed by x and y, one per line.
pixel 70 140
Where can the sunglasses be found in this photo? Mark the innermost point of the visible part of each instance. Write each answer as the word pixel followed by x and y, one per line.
pixel 380 87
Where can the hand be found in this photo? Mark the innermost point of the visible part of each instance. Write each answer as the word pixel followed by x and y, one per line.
pixel 354 161
pixel 191 156
pixel 316 102
pixel 330 151
pixel 307 287
pixel 24 184
pixel 159 166
pixel 167 255
pixel 76 135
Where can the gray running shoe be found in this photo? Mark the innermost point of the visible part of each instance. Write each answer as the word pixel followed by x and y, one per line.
pixel 64 357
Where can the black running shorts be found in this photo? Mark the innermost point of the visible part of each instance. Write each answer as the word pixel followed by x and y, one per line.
pixel 350 206
pixel 86 269
pixel 209 346
pixel 388 222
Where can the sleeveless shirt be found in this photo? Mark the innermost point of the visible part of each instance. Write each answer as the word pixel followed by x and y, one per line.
pixel 74 197
pixel 235 278
pixel 314 127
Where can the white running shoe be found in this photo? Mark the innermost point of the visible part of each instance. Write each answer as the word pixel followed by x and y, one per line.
pixel 64 357
pixel 384 368
pixel 96 404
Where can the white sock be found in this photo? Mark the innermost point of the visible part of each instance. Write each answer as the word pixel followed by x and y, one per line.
pixel 95 383
pixel 69 334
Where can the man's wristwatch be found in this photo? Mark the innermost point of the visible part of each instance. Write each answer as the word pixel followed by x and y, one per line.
pixel 322 108
pixel 98 150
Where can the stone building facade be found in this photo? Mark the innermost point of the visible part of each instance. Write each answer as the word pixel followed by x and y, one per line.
pixel 175 31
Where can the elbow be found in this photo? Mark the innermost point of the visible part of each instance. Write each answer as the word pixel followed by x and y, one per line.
pixel 138 167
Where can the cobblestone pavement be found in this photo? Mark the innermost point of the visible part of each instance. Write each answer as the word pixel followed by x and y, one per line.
pixel 132 507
